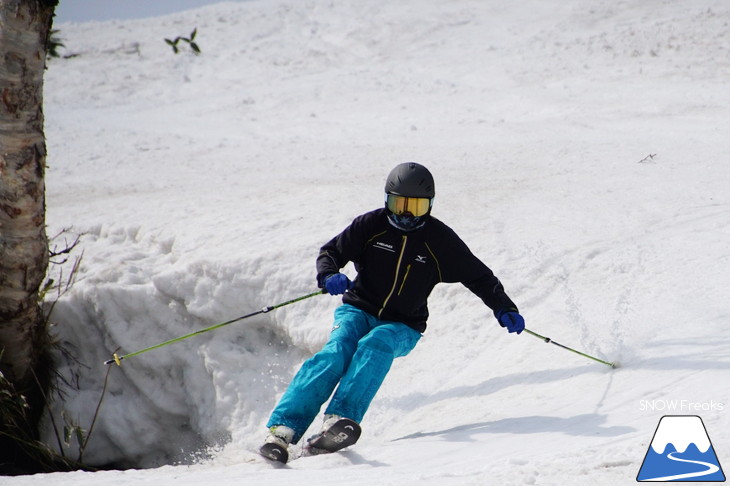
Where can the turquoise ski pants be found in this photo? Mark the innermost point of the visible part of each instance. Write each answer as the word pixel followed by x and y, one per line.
pixel 358 355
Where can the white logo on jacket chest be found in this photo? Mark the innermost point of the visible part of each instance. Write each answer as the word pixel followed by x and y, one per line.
pixel 421 258
pixel 384 246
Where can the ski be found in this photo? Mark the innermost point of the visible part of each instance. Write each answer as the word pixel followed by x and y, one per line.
pixel 275 452
pixel 341 434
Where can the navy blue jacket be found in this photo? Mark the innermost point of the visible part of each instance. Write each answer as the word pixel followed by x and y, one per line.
pixel 396 270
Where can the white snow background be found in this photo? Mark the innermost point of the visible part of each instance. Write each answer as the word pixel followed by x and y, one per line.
pixel 579 147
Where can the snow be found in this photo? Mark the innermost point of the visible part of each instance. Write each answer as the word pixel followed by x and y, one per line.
pixel 579 148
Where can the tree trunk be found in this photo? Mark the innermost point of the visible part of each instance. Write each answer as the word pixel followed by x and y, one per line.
pixel 24 32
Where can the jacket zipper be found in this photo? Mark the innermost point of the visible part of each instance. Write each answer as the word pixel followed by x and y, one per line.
pixel 408 269
pixel 395 279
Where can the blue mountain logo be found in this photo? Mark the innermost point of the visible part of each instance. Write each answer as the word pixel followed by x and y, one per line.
pixel 681 451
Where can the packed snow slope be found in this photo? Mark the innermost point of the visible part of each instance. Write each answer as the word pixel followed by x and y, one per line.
pixel 579 147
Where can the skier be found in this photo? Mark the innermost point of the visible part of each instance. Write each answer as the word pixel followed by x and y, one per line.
pixel 400 253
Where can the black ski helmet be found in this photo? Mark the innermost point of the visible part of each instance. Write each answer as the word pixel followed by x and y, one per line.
pixel 411 180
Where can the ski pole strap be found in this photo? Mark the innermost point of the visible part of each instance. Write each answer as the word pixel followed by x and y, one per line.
pixel 548 340
pixel 118 359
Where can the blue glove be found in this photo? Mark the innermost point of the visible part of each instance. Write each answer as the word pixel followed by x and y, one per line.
pixel 337 283
pixel 512 320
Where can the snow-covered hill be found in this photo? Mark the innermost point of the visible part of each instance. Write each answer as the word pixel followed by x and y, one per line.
pixel 579 147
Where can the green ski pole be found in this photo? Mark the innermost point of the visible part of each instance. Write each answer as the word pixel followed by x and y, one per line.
pixel 548 340
pixel 118 359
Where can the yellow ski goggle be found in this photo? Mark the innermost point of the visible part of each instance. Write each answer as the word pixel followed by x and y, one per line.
pixel 417 206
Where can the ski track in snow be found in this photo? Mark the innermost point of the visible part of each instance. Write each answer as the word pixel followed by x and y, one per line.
pixel 204 186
